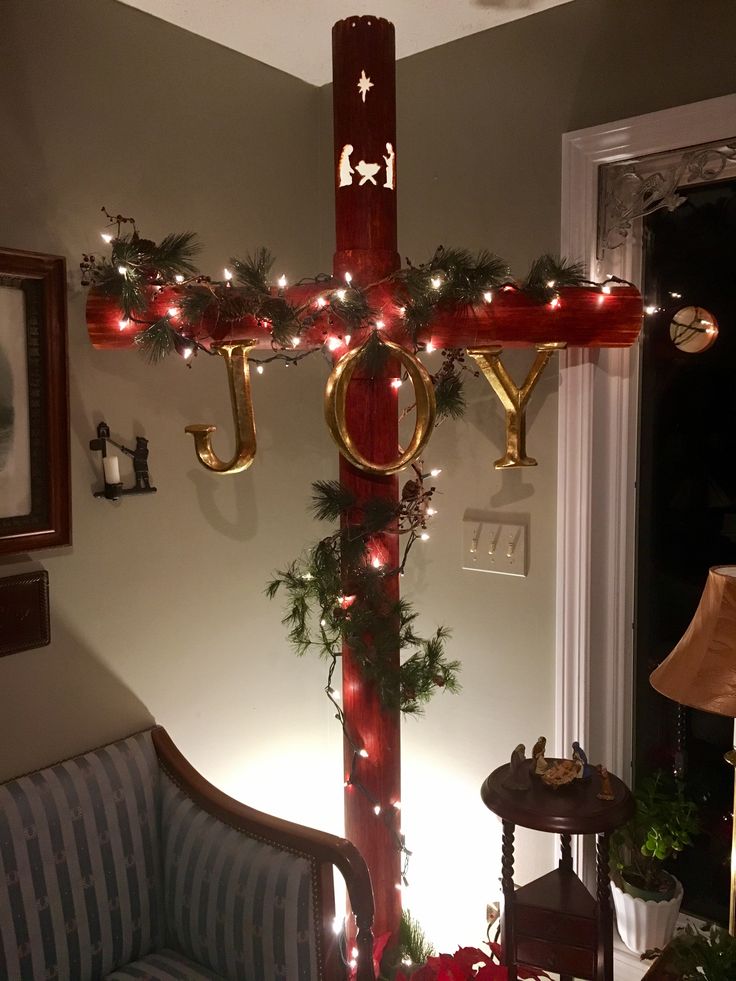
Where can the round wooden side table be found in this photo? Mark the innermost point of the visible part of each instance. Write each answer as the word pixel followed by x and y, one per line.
pixel 554 923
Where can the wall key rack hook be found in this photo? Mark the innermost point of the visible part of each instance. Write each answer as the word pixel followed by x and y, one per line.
pixel 114 489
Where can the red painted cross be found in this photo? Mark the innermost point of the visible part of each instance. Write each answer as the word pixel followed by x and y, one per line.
pixel 365 171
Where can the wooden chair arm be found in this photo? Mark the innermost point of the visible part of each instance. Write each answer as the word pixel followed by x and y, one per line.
pixel 328 850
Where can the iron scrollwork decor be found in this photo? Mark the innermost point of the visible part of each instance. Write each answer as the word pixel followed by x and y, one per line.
pixel 633 189
pixel 34 403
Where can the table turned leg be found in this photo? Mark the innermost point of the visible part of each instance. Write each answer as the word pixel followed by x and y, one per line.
pixel 508 952
pixel 605 912
pixel 566 866
pixel 566 853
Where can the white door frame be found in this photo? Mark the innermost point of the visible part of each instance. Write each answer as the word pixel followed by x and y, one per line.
pixel 597 441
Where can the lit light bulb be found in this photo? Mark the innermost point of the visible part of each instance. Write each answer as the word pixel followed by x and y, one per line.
pixel 123 323
pixel 172 312
pixel 259 369
pixel 551 284
pixel 380 325
pixel 397 805
pixel 179 278
pixel 605 288
pixel 424 536
pixel 187 352
pixel 402 311
pixel 676 296
pixel 650 310
pixel 282 282
pixel 363 752
pixel 296 341
pixel 429 347
pixel 555 302
pixel 348 338
pixel 376 562
pixel 321 301
pixel 396 383
pixel 431 512
pixel 323 623
pixel 348 278
pixel 488 296
pixel 354 952
pixel 377 809
pixel 436 472
pixel 333 343
pixel 122 270
pixel 228 275
pixel 436 282
pixel 341 294
pixel 106 237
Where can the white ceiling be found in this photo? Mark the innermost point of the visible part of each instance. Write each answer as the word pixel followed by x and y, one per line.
pixel 294 35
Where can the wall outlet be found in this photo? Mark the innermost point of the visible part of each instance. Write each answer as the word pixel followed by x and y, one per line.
pixel 493 911
pixel 495 546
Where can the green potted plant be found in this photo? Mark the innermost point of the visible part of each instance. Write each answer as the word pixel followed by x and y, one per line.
pixel 704 954
pixel 646 896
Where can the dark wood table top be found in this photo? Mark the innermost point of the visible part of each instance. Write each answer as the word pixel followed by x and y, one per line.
pixel 573 809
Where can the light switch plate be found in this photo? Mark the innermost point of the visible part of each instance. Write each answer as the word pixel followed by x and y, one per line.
pixel 495 545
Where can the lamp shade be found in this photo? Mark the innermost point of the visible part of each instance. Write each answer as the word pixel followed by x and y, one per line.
pixel 701 670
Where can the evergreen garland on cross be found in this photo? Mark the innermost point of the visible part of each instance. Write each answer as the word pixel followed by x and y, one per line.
pixel 335 595
pixel 452 278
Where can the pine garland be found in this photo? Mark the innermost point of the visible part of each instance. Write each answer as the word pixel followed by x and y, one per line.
pixel 452 278
pixel 413 944
pixel 335 596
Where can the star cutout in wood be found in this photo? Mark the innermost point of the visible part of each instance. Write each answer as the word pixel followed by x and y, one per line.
pixel 364 83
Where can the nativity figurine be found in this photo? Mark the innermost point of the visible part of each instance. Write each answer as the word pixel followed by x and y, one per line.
pixel 579 755
pixel 540 763
pixel 606 791
pixel 518 776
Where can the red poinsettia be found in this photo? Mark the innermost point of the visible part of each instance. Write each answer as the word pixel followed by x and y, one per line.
pixel 469 964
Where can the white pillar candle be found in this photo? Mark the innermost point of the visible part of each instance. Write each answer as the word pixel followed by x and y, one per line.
pixel 112 469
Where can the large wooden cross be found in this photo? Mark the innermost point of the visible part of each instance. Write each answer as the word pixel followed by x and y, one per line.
pixel 365 174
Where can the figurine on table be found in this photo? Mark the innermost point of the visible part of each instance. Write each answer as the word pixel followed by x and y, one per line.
pixel 540 763
pixel 518 777
pixel 578 754
pixel 606 791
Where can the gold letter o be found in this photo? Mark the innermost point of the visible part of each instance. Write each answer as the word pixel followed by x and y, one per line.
pixel 336 394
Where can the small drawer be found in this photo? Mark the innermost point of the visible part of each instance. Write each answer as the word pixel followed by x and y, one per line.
pixel 546 924
pixel 556 957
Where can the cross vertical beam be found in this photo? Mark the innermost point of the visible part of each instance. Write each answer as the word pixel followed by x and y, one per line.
pixel 365 211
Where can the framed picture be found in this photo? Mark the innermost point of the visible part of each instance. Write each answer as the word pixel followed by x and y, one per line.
pixel 34 403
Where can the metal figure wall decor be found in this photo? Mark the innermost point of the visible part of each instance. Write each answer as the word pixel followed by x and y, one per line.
pixel 114 489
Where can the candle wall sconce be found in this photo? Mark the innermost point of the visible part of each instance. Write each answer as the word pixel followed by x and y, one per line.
pixel 114 489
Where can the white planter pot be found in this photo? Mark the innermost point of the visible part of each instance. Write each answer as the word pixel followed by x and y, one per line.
pixel 644 924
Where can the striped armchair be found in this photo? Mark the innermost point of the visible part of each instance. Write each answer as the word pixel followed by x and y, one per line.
pixel 125 863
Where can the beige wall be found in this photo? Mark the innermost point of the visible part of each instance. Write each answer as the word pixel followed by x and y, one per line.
pixel 158 609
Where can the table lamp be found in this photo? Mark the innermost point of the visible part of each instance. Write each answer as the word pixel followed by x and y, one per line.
pixel 701 670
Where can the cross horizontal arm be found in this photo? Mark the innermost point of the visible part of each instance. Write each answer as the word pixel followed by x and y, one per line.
pixel 579 316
